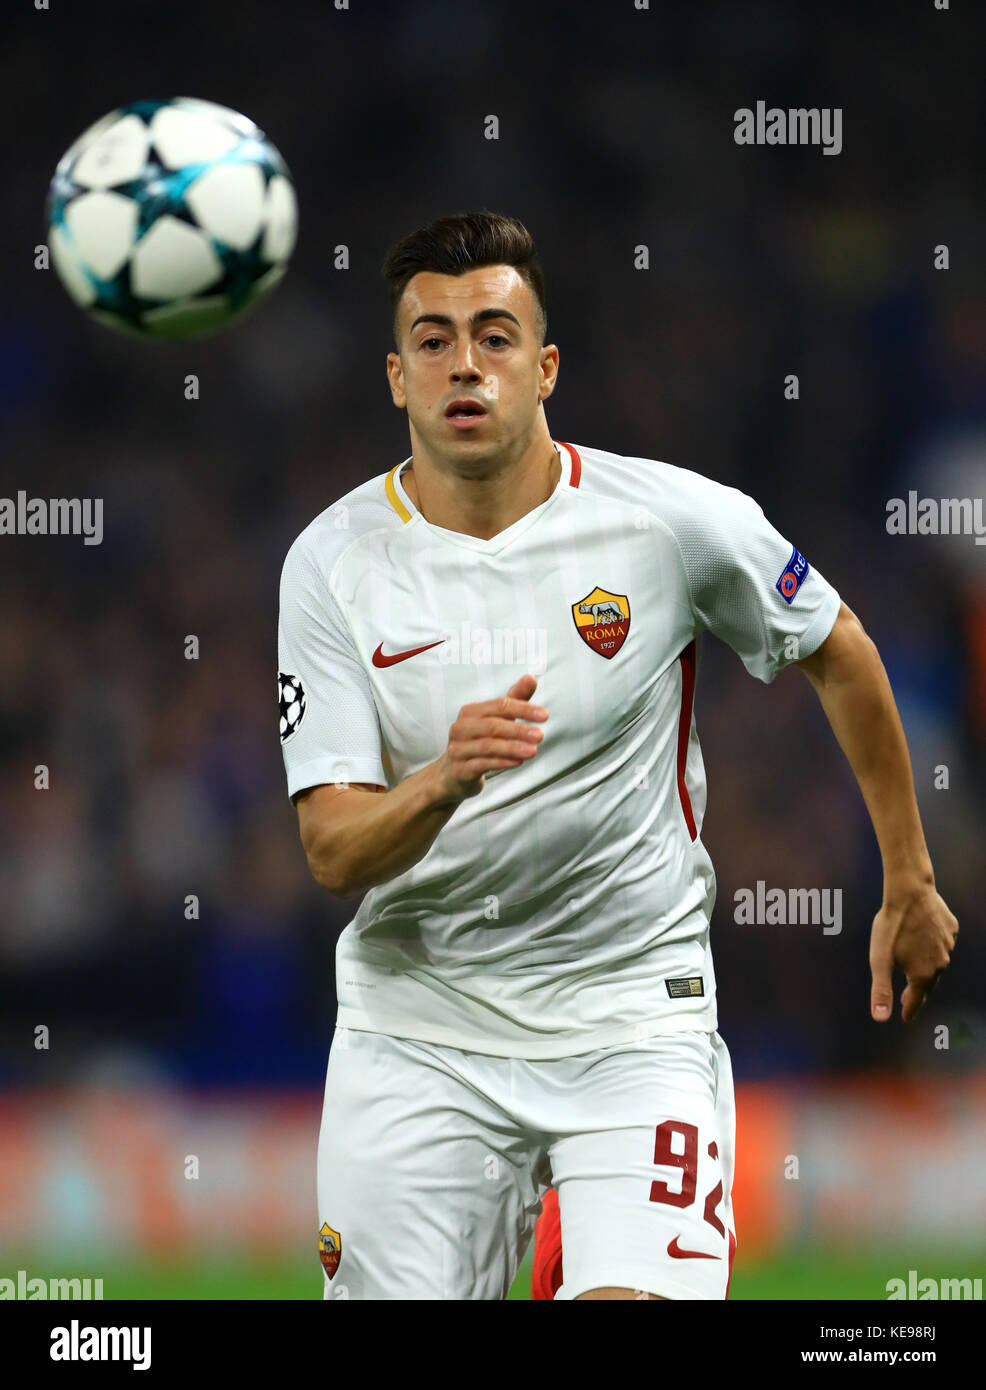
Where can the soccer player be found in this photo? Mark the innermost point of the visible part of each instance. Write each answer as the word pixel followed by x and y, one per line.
pixel 487 664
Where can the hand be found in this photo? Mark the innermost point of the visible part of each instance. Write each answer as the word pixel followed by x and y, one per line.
pixel 486 738
pixel 915 932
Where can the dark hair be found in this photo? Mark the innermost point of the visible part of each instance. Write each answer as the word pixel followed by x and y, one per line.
pixel 467 241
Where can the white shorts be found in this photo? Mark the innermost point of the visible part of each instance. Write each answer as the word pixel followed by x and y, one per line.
pixel 432 1162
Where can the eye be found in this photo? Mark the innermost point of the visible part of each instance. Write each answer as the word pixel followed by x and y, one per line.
pixel 499 336
pixel 426 341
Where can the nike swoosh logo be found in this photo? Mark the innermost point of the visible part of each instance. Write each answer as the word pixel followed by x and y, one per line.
pixel 380 660
pixel 678 1254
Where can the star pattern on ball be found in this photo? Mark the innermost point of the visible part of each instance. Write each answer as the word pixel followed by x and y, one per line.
pixel 160 191
pixel 291 704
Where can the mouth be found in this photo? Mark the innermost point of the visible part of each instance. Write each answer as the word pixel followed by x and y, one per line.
pixel 465 413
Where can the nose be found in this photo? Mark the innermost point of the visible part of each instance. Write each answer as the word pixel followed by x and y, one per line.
pixel 463 367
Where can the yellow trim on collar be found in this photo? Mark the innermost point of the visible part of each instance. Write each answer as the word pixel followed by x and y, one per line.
pixel 394 500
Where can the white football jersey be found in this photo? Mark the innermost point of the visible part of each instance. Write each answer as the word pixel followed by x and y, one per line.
pixel 565 907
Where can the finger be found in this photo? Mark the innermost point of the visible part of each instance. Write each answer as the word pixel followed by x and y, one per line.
pixel 917 991
pixel 480 765
pixel 476 727
pixel 504 741
pixel 881 989
pixel 523 688
pixel 506 707
pixel 472 750
pixel 912 1000
pixel 491 726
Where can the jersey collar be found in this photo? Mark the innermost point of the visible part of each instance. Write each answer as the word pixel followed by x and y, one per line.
pixel 571 474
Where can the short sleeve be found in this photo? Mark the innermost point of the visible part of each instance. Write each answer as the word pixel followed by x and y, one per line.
pixel 328 721
pixel 749 585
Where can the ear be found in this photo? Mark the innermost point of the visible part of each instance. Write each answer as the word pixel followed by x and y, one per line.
pixel 547 371
pixel 395 376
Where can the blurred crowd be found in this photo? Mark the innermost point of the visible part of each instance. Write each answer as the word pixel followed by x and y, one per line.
pixel 156 912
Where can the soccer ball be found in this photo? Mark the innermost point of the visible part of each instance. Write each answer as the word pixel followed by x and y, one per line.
pixel 170 219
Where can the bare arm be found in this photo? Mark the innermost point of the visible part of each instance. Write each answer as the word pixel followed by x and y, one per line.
pixel 357 837
pixel 914 929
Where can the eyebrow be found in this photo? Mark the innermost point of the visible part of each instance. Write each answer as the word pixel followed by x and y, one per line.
pixel 480 316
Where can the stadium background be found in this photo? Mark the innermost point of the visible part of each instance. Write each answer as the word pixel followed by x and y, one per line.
pixel 171 1037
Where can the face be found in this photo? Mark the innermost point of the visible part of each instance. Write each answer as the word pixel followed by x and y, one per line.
pixel 470 338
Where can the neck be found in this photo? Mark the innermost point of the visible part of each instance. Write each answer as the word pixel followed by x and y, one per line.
pixel 483 504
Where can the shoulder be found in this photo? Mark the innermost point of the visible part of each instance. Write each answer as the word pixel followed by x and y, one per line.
pixel 351 521
pixel 651 483
pixel 679 497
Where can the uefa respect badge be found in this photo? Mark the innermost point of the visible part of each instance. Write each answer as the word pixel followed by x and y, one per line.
pixel 792 576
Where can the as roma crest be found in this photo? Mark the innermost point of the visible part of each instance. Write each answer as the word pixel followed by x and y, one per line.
pixel 602 620
pixel 329 1249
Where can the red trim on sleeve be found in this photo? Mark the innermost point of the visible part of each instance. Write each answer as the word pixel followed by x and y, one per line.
pixel 687 660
